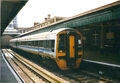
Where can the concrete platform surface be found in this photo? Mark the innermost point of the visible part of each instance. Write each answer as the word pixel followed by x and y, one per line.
pixel 7 75
pixel 110 58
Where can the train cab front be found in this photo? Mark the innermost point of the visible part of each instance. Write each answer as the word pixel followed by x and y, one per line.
pixel 69 50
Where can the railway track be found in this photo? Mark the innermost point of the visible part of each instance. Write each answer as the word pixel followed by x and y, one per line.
pixel 31 72
pixel 79 76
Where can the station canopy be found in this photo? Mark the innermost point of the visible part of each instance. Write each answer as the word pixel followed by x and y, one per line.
pixel 9 9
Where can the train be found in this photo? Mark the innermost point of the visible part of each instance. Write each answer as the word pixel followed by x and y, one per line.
pixel 62 45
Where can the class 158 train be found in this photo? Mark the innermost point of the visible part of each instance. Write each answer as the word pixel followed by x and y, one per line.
pixel 62 45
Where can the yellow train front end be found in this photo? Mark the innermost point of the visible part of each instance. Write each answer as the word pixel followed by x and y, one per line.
pixel 69 50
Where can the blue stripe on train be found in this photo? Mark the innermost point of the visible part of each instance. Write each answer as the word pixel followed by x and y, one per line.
pixel 42 50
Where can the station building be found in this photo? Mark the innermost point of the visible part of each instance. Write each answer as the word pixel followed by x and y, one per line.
pixel 100 29
pixel 47 21
pixel 101 35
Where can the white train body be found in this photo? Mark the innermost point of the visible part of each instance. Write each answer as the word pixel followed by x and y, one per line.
pixel 47 44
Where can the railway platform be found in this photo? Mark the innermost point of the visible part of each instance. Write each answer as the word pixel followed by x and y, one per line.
pixel 97 56
pixel 6 72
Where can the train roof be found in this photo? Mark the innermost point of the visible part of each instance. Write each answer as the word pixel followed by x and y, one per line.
pixel 35 36
pixel 59 30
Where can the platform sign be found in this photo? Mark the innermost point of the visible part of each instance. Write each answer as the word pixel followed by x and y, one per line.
pixel 110 35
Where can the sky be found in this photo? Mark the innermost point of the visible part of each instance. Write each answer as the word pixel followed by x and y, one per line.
pixel 37 10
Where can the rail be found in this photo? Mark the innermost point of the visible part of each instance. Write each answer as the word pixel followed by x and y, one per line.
pixel 37 74
pixel 31 70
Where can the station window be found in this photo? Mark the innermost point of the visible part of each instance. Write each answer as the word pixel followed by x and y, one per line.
pixel 10 25
pixel 95 37
pixel 109 35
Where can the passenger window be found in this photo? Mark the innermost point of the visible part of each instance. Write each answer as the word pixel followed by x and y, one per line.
pixel 40 43
pixel 52 45
pixel 36 43
pixel 26 43
pixel 19 43
pixel 61 46
pixel 46 44
pixel 30 43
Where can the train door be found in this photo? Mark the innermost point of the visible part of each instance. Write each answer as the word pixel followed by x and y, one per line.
pixel 71 50
pixel 72 46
